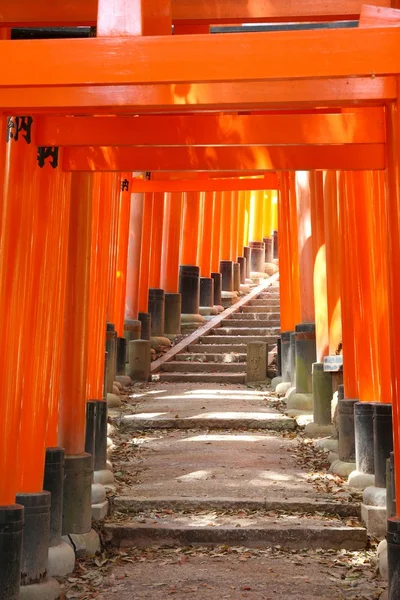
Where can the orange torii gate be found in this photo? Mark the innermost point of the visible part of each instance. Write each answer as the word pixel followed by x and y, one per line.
pixel 305 70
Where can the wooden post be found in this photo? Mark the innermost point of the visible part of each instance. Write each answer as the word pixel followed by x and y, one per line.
pixel 173 205
pixel 206 235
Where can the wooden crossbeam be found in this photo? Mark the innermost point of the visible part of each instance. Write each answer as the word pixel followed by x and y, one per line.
pixel 257 158
pixel 270 182
pixel 363 126
pixel 226 58
pixel 159 98
pixel 84 12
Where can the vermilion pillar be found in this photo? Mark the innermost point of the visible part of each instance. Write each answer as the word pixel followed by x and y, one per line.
pixel 241 222
pixel 267 214
pixel 294 249
pixel 101 239
pixel 206 235
pixel 75 346
pixel 363 238
pixel 331 221
pixel 216 233
pixel 348 283
pixel 319 265
pixel 246 233
pixel 110 187
pixel 145 253
pixel 156 240
pixel 192 209
pixel 122 252
pixel 256 216
pixel 234 225
pixel 393 239
pixel 380 296
pixel 304 236
pixel 136 228
pixel 285 276
pixel 173 204
pixel 225 226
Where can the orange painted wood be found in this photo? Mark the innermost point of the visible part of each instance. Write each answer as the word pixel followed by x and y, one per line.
pixel 256 216
pixel 266 158
pixel 120 18
pixel 304 236
pixel 333 265
pixel 251 95
pixel 393 241
pixel 319 265
pixel 145 253
pixel 246 232
pixel 380 297
pixel 363 229
pixel 294 251
pixel 225 227
pixel 156 246
pixel 205 236
pixel 210 185
pixel 110 187
pixel 348 285
pixel 124 204
pixel 192 208
pixel 171 237
pixel 361 126
pixel 241 222
pixel 136 224
pixel 100 276
pixel 221 57
pixel 75 343
pixel 216 234
pixel 63 196
pixel 267 214
pixel 234 225
pixel 285 272
pixel 74 12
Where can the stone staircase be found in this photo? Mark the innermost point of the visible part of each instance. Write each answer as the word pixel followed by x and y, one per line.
pixel 220 356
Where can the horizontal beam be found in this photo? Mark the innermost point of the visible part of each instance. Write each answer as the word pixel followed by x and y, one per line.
pixel 270 182
pixel 362 126
pixel 208 58
pixel 250 158
pixel 84 12
pixel 254 95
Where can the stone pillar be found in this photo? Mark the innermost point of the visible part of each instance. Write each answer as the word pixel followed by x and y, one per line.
pixel 257 362
pixel 189 288
pixel 173 306
pixel 139 360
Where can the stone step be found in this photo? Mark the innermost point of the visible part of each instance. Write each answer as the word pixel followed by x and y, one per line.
pixel 246 322
pixel 211 357
pixel 274 314
pixel 204 377
pixel 266 303
pixel 236 339
pixel 269 294
pixel 256 309
pixel 203 367
pixel 225 349
pixel 291 532
pixel 219 419
pixel 255 330
pixel 130 504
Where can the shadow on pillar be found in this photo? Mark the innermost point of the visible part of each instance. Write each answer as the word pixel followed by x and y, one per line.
pixel 189 288
pixel 217 278
pixel 228 295
pixel 157 312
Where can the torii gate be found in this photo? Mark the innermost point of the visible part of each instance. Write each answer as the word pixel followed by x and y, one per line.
pixel 220 73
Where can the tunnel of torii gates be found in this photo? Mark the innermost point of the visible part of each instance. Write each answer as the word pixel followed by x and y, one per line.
pixel 138 169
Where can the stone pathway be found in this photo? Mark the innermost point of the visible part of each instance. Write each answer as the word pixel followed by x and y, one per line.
pixel 219 496
pixel 220 356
